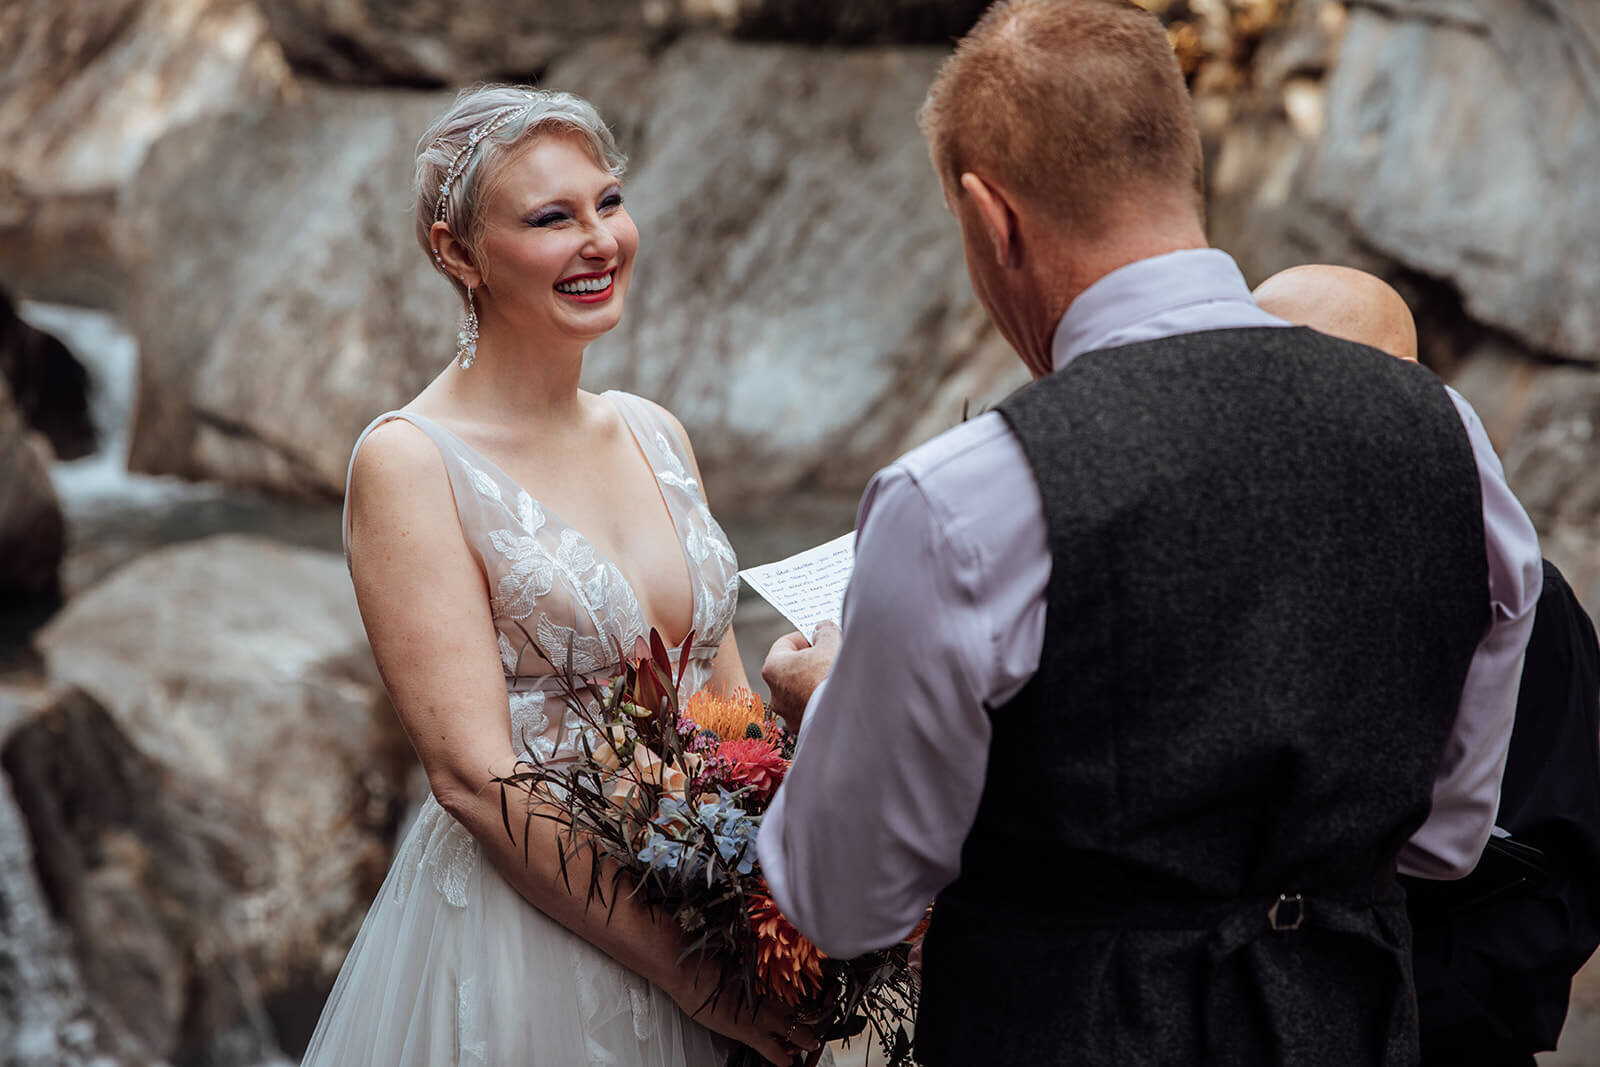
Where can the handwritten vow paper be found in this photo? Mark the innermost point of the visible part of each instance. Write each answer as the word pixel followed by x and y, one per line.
pixel 807 588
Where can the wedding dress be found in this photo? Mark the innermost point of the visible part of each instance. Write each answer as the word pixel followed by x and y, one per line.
pixel 453 967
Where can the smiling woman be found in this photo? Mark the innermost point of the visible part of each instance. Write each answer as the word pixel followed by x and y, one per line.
pixel 504 521
pixel 556 249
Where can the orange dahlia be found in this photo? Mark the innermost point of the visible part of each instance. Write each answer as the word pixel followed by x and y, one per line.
pixel 788 965
pixel 729 716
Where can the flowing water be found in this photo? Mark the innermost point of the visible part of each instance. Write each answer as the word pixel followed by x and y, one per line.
pixel 114 515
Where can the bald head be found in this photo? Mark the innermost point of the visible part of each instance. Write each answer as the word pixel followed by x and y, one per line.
pixel 1342 302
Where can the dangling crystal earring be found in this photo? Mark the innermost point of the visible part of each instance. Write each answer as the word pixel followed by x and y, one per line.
pixel 467 338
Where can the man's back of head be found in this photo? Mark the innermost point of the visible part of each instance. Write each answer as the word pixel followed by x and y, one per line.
pixel 1342 302
pixel 1077 107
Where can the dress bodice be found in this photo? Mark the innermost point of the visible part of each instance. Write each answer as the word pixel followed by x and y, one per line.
pixel 551 590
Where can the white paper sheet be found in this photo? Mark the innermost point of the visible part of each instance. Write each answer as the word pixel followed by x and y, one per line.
pixel 807 588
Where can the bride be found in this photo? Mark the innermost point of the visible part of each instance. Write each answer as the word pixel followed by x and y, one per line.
pixel 504 499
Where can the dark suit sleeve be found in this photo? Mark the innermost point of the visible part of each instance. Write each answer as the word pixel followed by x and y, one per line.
pixel 1495 953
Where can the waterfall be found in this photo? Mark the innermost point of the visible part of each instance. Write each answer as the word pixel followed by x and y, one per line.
pixel 101 482
pixel 114 515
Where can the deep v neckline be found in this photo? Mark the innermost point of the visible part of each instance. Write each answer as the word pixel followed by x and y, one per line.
pixel 551 515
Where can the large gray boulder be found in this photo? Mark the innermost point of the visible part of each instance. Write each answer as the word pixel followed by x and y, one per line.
pixel 45 1013
pixel 86 86
pixel 146 877
pixel 1485 180
pixel 299 304
pixel 239 673
pixel 1366 143
pixel 801 300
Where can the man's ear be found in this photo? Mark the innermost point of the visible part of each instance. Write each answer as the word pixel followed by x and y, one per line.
pixel 999 218
pixel 453 255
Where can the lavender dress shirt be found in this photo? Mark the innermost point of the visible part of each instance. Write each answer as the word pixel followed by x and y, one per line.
pixel 944 619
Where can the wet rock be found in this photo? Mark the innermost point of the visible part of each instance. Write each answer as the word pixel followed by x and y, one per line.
pixel 32 532
pixel 45 1015
pixel 48 385
pixel 147 873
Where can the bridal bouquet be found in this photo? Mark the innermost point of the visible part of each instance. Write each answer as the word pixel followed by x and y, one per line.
pixel 669 795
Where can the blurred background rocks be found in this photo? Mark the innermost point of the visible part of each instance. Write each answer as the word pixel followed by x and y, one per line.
pixel 205 229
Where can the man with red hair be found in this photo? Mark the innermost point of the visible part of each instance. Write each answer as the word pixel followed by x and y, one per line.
pixel 1145 675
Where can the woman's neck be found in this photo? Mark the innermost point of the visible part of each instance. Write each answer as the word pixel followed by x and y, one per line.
pixel 516 376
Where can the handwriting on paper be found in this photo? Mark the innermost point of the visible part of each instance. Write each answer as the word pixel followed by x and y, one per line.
pixel 807 588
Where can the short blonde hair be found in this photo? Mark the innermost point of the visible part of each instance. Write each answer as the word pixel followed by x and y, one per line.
pixel 547 111
pixel 1070 104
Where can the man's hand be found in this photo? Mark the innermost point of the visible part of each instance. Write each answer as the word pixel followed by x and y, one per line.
pixel 794 669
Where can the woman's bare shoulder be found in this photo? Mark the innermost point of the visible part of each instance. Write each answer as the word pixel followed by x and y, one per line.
pixel 397 467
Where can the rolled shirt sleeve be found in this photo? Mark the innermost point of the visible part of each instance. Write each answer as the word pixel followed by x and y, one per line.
pixel 1466 790
pixel 939 625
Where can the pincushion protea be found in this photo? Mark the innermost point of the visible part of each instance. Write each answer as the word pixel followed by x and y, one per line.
pixel 788 965
pixel 729 716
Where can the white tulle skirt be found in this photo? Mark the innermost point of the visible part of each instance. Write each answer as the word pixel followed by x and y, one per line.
pixel 453 967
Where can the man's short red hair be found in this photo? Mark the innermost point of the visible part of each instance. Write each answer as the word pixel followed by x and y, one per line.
pixel 1073 105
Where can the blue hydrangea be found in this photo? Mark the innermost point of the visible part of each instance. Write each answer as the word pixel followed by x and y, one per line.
pixel 661 852
pixel 732 831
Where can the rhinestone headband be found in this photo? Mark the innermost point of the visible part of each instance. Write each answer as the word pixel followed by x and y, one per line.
pixel 463 156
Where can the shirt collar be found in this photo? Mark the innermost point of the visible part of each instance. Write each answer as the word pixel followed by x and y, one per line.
pixel 1147 293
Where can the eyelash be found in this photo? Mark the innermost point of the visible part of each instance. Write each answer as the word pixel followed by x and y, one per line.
pixel 611 202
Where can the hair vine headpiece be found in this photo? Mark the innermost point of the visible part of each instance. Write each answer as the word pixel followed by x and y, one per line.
pixel 463 156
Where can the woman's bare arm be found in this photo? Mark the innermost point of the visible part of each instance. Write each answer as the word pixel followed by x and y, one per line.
pixel 426 609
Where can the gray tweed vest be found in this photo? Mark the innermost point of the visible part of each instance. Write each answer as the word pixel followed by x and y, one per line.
pixel 1268 582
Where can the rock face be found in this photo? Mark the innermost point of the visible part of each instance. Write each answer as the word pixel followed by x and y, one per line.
pixel 241 671
pixel 44 1014
pixel 32 534
pixel 49 386
pixel 85 87
pixel 852 22
pixel 1358 148
pixel 1487 180
pixel 148 873
pixel 801 303
pixel 801 300
pixel 301 305
pixel 426 42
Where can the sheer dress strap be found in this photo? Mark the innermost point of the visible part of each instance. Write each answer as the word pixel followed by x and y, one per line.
pixel 449 452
